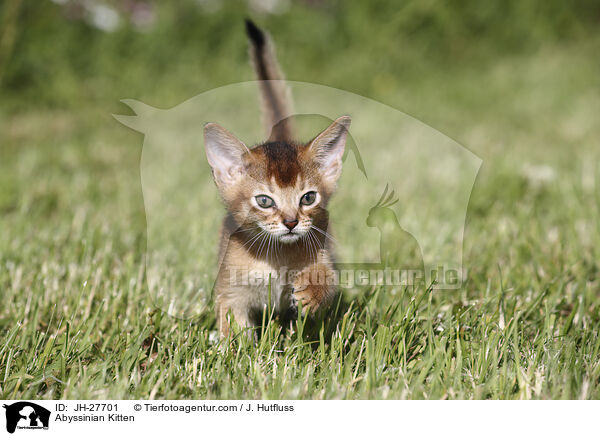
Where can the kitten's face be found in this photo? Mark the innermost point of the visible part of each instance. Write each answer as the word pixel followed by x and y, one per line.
pixel 277 187
pixel 285 212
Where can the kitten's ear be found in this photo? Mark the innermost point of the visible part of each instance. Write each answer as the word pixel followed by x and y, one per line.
pixel 328 148
pixel 224 153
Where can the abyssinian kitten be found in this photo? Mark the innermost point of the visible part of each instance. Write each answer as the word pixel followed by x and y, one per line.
pixel 274 240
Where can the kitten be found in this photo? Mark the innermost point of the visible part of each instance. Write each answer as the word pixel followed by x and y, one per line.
pixel 274 240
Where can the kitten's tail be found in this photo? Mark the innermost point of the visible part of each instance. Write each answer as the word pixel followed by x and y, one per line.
pixel 275 96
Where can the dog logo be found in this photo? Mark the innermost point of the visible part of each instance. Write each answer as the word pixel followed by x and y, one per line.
pixel 26 415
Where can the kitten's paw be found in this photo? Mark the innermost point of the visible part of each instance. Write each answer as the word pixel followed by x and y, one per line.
pixel 311 289
pixel 311 298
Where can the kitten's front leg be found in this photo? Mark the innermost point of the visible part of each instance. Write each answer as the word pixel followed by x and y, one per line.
pixel 238 310
pixel 314 287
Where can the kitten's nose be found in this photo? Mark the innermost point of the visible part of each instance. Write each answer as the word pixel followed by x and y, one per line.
pixel 290 224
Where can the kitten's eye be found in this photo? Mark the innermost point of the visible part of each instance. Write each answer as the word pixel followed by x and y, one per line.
pixel 308 198
pixel 264 201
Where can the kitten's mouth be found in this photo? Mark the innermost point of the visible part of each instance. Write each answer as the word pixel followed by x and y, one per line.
pixel 289 237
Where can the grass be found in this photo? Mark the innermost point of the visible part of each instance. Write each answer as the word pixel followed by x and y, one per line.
pixel 76 319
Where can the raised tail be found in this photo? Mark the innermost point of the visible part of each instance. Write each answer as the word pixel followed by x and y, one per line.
pixel 275 96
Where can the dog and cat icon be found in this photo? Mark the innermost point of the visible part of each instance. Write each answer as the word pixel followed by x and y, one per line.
pixel 26 415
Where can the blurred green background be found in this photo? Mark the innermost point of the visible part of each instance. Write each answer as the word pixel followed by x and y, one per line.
pixel 499 77
pixel 515 81
pixel 74 53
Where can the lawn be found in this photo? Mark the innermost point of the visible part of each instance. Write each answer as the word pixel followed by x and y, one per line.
pixel 77 320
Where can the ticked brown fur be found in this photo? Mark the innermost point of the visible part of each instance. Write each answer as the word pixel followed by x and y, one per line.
pixel 275 239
